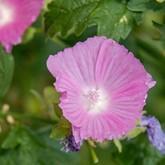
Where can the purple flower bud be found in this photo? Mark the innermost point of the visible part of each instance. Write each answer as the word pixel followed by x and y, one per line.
pixel 69 144
pixel 155 132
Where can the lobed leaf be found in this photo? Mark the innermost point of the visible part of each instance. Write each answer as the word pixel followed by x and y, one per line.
pixel 61 129
pixel 112 17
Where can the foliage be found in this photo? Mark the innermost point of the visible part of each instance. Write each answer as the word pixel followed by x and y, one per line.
pixel 28 147
pixel 6 71
pixel 112 18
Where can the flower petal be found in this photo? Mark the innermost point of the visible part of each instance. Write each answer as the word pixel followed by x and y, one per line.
pixel 24 13
pixel 77 62
pixel 70 104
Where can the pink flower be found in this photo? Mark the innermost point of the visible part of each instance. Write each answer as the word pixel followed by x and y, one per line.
pixel 103 86
pixel 15 17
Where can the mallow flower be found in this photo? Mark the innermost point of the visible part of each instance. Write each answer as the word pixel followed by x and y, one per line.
pixel 15 17
pixel 103 88
pixel 155 133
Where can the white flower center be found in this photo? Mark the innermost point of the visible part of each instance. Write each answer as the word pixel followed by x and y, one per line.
pixel 95 100
pixel 6 14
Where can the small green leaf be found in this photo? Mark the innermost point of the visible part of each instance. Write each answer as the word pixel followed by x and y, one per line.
pixel 37 96
pixel 118 145
pixel 51 97
pixel 138 5
pixel 135 132
pixel 20 136
pixel 144 112
pixel 61 129
pixel 57 111
pixel 93 153
pixel 6 71
pixel 161 29
pixel 160 1
pixel 29 34
pixel 11 140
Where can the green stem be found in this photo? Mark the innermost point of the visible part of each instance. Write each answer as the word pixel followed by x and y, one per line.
pixel 93 153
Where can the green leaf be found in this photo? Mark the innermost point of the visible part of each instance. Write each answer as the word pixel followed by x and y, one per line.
pixel 57 111
pixel 29 34
pixel 11 140
pixel 20 136
pixel 118 145
pixel 160 1
pixel 135 132
pixel 161 29
pixel 141 5
pixel 51 96
pixel 61 129
pixel 23 146
pixel 138 5
pixel 6 71
pixel 52 99
pixel 112 17
pixel 93 153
